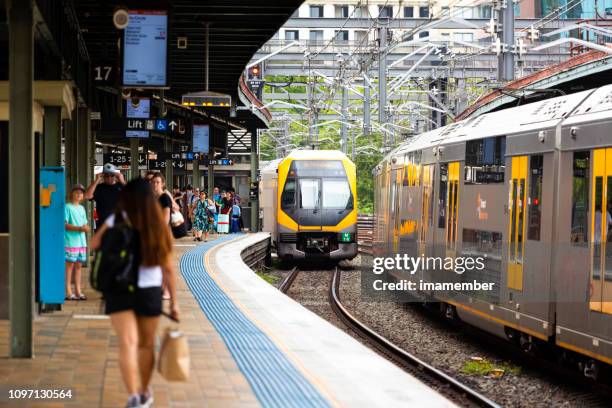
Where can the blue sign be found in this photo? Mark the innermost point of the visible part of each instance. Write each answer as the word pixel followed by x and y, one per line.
pixel 161 125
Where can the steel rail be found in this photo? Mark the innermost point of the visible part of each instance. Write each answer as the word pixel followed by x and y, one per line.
pixel 396 353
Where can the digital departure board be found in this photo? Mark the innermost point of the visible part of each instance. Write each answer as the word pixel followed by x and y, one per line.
pixel 145 47
pixel 201 137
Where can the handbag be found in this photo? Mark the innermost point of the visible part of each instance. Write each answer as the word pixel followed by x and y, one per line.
pixel 174 359
pixel 177 224
pixel 176 218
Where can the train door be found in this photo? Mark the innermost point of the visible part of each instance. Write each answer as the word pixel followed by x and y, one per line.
pixel 452 209
pixel 426 208
pixel 392 236
pixel 601 240
pixel 516 225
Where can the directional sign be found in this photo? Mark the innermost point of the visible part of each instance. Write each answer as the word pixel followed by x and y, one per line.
pixel 192 156
pixel 121 124
pixel 161 164
pixel 221 162
pixel 157 164
pixel 118 159
pixel 179 164
pixel 176 126
pixel 168 156
pixel 123 158
pixel 161 125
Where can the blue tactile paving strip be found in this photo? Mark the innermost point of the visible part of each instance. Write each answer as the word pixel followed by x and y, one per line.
pixel 275 380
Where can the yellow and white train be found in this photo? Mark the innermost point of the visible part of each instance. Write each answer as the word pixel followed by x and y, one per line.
pixel 309 205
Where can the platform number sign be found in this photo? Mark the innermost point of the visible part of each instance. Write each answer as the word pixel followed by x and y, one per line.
pixel 103 74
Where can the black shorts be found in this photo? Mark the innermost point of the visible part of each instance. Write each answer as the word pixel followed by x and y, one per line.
pixel 144 301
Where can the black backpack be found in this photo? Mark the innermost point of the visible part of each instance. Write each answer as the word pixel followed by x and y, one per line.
pixel 115 267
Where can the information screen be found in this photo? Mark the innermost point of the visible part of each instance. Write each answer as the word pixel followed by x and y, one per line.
pixel 140 111
pixel 145 45
pixel 201 138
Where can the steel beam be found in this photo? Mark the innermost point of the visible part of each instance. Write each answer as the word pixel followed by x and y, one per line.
pixel 21 175
pixel 134 158
pixel 254 166
pixel 52 140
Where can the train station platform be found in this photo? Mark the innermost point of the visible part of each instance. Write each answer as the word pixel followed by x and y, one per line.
pixel 250 346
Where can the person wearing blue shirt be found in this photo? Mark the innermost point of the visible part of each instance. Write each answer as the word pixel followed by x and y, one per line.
pixel 236 213
pixel 75 244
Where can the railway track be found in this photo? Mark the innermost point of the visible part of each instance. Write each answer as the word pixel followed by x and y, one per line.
pixel 437 379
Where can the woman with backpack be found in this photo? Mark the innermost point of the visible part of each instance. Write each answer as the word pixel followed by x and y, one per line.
pixel 135 304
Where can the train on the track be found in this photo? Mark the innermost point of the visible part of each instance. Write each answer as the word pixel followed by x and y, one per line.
pixel 529 190
pixel 309 205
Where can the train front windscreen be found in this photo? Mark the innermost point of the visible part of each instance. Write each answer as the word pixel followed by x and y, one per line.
pixel 317 185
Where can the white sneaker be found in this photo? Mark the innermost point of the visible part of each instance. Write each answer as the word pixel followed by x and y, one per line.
pixel 146 399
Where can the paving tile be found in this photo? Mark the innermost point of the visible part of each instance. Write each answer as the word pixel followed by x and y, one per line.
pixel 81 354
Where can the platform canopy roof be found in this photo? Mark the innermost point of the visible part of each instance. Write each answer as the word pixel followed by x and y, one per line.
pixel 237 29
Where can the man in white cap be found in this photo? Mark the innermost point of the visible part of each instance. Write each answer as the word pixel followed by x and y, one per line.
pixel 105 190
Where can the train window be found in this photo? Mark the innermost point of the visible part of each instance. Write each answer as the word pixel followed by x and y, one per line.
pixel 485 160
pixel 536 171
pixel 288 196
pixel 580 199
pixel 336 194
pixel 482 243
pixel 442 195
pixel 317 168
pixel 309 193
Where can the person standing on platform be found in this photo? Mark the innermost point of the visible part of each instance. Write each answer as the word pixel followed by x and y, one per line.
pixel 104 190
pixel 236 214
pixel 75 239
pixel 217 200
pixel 203 212
pixel 134 315
pixel 158 183
pixel 186 207
pixel 225 213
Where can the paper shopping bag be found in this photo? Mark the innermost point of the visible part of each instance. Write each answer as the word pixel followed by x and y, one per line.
pixel 174 357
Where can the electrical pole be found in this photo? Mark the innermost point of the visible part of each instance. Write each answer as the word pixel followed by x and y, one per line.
pixel 309 97
pixel 366 108
pixel 382 79
pixel 506 56
pixel 344 124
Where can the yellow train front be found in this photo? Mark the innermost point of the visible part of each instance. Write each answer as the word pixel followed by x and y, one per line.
pixel 316 205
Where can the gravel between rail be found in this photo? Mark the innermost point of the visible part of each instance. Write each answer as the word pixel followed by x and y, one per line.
pixel 449 348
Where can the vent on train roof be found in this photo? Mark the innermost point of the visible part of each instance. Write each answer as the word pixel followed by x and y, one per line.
pixel 450 129
pixel 550 110
pixel 597 105
pixel 604 103
pixel 478 121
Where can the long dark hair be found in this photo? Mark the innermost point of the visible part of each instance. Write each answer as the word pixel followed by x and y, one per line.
pixel 144 214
